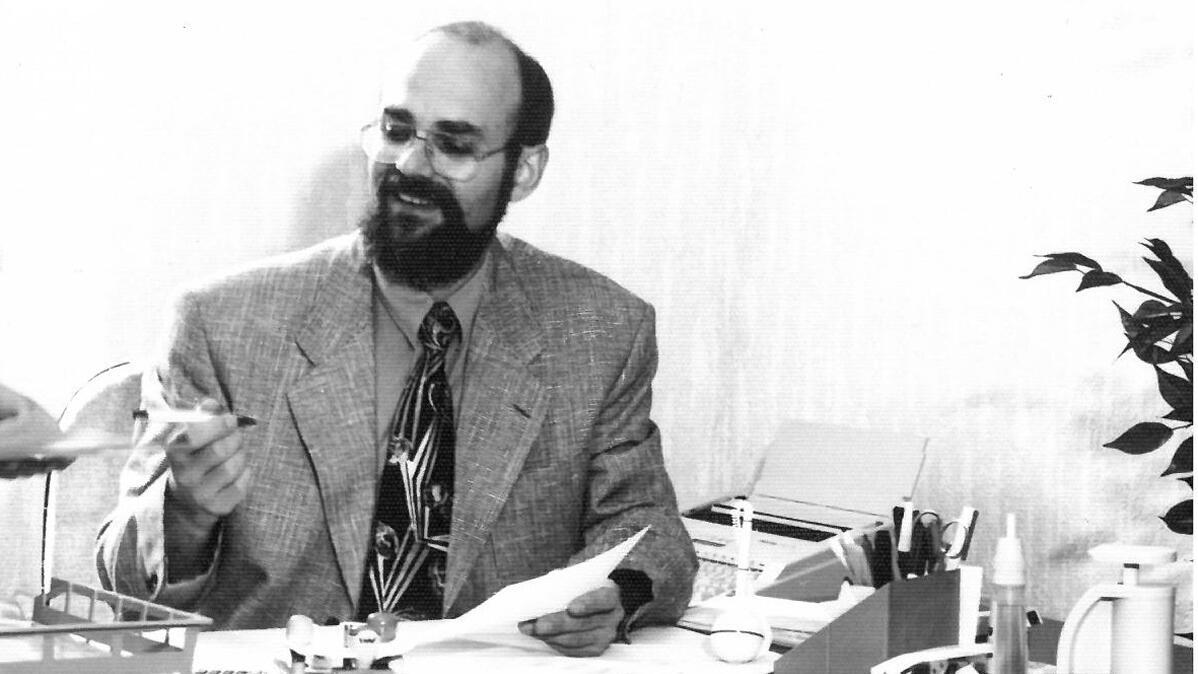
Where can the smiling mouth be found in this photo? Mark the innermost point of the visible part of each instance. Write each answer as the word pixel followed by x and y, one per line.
pixel 418 202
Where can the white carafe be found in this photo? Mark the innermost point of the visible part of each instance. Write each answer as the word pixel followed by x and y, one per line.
pixel 1136 620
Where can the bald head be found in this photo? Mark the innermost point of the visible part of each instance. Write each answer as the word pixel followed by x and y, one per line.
pixel 453 85
pixel 535 114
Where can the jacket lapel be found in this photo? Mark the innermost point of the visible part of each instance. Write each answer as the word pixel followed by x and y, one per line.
pixel 503 408
pixel 333 407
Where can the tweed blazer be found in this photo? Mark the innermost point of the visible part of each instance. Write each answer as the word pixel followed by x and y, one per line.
pixel 556 460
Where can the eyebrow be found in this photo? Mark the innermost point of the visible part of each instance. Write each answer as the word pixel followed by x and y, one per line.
pixel 399 114
pixel 458 128
pixel 455 127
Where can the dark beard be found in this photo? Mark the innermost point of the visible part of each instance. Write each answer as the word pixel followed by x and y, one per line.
pixel 439 257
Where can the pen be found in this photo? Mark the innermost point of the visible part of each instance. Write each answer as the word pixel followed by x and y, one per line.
pixel 168 416
pixel 742 520
pixel 906 525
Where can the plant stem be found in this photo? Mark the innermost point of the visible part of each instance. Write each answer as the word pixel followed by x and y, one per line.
pixel 1148 292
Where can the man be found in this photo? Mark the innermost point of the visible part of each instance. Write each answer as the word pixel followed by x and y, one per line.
pixel 443 411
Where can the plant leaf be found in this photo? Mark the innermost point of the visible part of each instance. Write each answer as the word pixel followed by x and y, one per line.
pixel 1130 325
pixel 1175 390
pixel 1180 518
pixel 1151 323
pixel 1186 415
pixel 1096 277
pixel 1050 267
pixel 1165 255
pixel 1158 248
pixel 1167 198
pixel 1150 353
pixel 1150 308
pixel 1142 438
pixel 1183 458
pixel 1173 277
pixel 1177 184
pixel 1183 343
pixel 1074 258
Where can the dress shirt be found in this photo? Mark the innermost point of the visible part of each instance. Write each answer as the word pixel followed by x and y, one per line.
pixel 398 312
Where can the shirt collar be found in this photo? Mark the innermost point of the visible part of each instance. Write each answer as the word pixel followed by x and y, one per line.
pixel 408 306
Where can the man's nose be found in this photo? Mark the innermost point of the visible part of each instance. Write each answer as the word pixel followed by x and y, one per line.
pixel 414 159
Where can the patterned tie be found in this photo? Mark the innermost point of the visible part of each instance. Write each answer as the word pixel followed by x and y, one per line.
pixel 405 571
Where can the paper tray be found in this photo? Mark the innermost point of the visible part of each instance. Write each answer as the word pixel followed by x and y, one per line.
pixel 78 628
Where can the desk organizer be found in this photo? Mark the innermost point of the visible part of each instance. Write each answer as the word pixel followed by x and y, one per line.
pixel 900 617
pixel 78 628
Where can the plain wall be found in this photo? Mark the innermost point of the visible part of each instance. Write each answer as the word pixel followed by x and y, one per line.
pixel 828 205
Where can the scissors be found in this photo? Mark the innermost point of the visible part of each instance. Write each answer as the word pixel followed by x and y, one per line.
pixel 919 546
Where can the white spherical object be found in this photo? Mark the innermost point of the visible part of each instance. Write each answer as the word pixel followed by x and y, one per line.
pixel 299 632
pixel 740 635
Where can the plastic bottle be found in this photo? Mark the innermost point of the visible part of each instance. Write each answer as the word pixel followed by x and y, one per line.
pixel 1008 606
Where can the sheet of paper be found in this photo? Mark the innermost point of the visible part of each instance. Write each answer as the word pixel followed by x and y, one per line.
pixel 68 447
pixel 549 593
pixel 529 599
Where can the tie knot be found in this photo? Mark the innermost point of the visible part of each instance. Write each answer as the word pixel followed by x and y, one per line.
pixel 439 328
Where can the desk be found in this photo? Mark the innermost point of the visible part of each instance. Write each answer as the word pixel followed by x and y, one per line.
pixel 657 649
pixel 660 650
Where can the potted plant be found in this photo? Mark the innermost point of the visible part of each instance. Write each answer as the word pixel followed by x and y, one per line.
pixel 1160 332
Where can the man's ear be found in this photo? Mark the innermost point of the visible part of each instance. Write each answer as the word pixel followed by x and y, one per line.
pixel 529 169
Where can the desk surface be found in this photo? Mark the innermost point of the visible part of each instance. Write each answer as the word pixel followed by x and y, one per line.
pixel 654 649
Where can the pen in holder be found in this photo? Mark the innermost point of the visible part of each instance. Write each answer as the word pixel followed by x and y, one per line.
pixel 741 633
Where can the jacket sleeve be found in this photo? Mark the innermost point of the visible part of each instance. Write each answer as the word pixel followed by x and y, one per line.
pixel 130 547
pixel 629 488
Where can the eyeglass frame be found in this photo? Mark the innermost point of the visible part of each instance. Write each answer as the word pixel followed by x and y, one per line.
pixel 430 152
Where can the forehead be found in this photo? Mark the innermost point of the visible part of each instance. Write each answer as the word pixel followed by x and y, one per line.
pixel 443 78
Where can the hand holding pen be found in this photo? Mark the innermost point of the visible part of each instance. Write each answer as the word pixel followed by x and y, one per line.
pixel 209 476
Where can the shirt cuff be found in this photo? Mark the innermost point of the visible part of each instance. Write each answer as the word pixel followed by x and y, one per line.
pixel 636 591
pixel 152 549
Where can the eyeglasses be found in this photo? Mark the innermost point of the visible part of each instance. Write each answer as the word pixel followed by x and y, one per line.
pixel 451 156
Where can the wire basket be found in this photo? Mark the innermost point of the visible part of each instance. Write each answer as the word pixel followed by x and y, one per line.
pixel 78 628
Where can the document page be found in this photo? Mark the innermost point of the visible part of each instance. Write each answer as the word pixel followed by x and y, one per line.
pixel 549 593
pixel 529 599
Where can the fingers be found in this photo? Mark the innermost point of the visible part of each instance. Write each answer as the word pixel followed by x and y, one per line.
pixel 587 626
pixel 600 600
pixel 209 469
pixel 583 644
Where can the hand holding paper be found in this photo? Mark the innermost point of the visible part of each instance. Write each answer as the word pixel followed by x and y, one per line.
pixel 586 628
pixel 546 595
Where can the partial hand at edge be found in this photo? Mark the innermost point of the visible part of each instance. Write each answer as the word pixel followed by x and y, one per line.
pixel 24 423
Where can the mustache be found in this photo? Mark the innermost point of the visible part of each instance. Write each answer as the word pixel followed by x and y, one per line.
pixel 395 182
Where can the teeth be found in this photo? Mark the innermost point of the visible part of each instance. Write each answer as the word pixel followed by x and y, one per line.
pixel 415 201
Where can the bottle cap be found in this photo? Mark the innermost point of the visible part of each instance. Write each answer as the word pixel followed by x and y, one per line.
pixel 1008 558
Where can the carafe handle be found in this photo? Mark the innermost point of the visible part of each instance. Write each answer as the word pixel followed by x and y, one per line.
pixel 1080 610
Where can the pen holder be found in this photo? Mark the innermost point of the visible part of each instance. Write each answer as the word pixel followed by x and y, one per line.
pixel 900 617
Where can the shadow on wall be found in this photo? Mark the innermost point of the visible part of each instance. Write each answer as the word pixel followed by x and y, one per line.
pixel 332 200
pixel 1040 456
